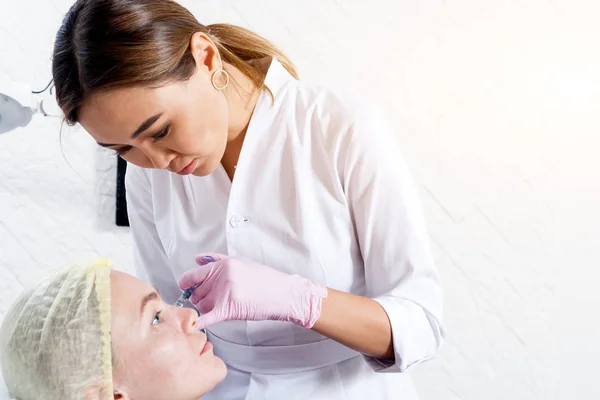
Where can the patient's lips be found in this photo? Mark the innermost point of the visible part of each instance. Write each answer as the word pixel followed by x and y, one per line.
pixel 207 347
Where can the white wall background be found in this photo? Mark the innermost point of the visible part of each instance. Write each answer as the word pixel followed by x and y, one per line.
pixel 497 105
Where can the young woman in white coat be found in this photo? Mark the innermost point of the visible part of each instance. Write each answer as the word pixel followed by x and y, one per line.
pixel 321 283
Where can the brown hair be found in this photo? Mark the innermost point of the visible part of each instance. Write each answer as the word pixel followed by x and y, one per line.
pixel 107 44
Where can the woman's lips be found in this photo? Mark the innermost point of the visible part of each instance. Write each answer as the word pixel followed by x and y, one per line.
pixel 188 169
pixel 207 347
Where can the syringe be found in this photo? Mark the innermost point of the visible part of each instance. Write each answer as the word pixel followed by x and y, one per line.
pixel 187 293
pixel 185 296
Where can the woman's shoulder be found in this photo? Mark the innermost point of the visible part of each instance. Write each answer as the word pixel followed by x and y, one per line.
pixel 305 100
pixel 333 101
pixel 331 109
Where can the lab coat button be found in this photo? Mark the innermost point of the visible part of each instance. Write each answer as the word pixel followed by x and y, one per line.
pixel 235 221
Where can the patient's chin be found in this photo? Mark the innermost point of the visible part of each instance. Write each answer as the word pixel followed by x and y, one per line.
pixel 219 371
pixel 221 366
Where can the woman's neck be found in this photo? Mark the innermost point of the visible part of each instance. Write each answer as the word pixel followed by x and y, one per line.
pixel 242 97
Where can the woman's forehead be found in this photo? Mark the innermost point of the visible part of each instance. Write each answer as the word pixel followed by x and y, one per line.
pixel 125 287
pixel 115 115
pixel 120 101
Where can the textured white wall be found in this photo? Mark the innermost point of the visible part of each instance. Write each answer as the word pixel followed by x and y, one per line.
pixel 497 108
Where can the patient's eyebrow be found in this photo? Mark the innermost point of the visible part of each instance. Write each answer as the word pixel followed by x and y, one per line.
pixel 148 298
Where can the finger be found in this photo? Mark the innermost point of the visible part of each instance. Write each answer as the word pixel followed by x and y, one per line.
pixel 210 288
pixel 194 276
pixel 205 258
pixel 202 300
pixel 207 320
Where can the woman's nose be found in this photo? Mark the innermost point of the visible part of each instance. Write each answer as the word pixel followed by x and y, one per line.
pixel 160 157
pixel 189 319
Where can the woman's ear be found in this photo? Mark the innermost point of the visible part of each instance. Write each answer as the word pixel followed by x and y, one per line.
pixel 98 390
pixel 205 52
pixel 119 395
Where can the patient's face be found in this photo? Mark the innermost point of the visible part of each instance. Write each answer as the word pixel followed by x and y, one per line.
pixel 160 354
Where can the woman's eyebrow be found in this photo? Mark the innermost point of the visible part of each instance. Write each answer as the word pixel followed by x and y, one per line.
pixel 145 125
pixel 148 298
pixel 106 144
pixel 141 129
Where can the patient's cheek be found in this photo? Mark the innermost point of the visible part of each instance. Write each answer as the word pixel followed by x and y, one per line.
pixel 165 358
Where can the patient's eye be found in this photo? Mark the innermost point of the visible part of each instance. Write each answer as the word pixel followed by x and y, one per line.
pixel 156 320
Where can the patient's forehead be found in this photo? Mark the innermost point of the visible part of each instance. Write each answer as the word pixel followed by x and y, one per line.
pixel 126 292
pixel 122 280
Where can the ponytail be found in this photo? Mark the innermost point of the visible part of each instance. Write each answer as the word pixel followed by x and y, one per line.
pixel 239 45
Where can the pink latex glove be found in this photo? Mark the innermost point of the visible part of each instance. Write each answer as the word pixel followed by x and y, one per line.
pixel 233 288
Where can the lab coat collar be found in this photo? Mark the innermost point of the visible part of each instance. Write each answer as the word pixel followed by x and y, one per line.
pixel 265 111
pixel 277 76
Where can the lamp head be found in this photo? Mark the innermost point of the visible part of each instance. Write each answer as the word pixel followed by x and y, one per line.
pixel 17 106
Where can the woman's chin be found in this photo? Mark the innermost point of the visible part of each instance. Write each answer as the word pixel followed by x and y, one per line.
pixel 221 367
pixel 216 376
pixel 205 167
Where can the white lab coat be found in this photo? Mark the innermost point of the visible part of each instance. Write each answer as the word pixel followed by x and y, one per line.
pixel 320 190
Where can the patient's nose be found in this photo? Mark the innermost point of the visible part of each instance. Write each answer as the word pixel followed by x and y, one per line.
pixel 189 319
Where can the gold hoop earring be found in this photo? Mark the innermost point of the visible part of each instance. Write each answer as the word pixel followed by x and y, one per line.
pixel 213 79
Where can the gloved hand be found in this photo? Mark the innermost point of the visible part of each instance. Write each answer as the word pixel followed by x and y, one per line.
pixel 233 288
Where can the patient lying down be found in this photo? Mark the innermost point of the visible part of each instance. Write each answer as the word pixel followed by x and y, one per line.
pixel 92 333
